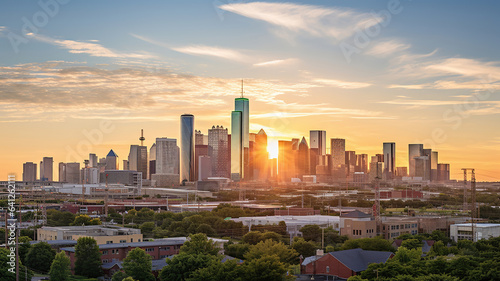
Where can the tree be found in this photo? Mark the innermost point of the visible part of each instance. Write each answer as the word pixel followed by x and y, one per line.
pixel 40 257
pixel 199 244
pixel 181 266
pixel 24 247
pixel 147 228
pixel 6 274
pixel 265 268
pixel 404 255
pixel 236 250
pixel 303 247
pixel 119 276
pixel 252 237
pixel 411 244
pixel 270 247
pixel 206 229
pixel 216 270
pixel 138 265
pixel 368 244
pixel 311 232
pixel 58 218
pixel 88 258
pixel 271 235
pixel 60 268
pixel 85 220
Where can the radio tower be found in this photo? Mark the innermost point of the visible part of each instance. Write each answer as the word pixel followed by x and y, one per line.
pixel 473 210
pixel 142 138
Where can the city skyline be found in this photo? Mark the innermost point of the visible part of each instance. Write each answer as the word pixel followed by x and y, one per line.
pixel 71 88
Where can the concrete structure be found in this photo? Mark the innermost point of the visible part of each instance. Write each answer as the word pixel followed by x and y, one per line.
pixel 111 161
pixel 204 167
pixel 102 234
pixel 463 231
pixel 389 149
pixel 138 160
pixel 187 142
pixel 443 172
pixel 392 227
pixel 164 180
pixel 90 175
pixel 92 160
pixel 342 264
pixel 29 172
pixel 293 223
pixel 132 178
pixel 167 156
pixel 361 163
pixel 414 150
pixel 69 172
pixel 357 224
pixel 219 148
pixel 46 169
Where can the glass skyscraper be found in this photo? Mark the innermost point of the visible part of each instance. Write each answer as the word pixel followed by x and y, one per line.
pixel 240 142
pixel 414 150
pixel 187 148
pixel 389 159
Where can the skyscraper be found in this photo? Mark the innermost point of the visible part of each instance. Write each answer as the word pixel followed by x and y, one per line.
pixel 198 137
pixel 218 143
pixel 261 157
pixel 29 171
pixel 111 161
pixel 138 160
pixel 362 163
pixel 46 169
pixel 240 143
pixel 69 172
pixel 434 166
pixel 286 161
pixel 338 158
pixel 389 159
pixel 350 162
pixel 187 148
pixel 167 156
pixel 152 161
pixel 92 160
pixel 414 150
pixel 303 158
pixel 317 139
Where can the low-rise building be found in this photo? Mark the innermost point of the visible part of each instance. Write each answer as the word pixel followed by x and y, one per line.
pixel 357 224
pixel 342 264
pixel 463 231
pixel 102 234
pixel 392 227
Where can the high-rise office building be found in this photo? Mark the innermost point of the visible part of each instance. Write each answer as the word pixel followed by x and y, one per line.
pixel 69 172
pixel 218 143
pixel 338 152
pixel 286 161
pixel 422 167
pixel 434 166
pixel 338 167
pixel 443 171
pixel 240 143
pixel 317 139
pixel 187 171
pixel 414 150
pixel 167 156
pixel 198 137
pixel 389 149
pixel 152 161
pixel 199 151
pixel 111 161
pixel 204 167
pixel 376 170
pixel 138 160
pixel 261 157
pixel 362 163
pixel 29 171
pixel 303 158
pixel 350 162
pixel 46 169
pixel 428 153
pixel 92 160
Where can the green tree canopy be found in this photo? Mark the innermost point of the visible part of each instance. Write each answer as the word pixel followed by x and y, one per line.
pixel 264 268
pixel 88 258
pixel 85 220
pixel 60 268
pixel 311 232
pixel 303 247
pixel 40 257
pixel 270 247
pixel 138 265
pixel 199 244
pixel 181 266
pixel 369 244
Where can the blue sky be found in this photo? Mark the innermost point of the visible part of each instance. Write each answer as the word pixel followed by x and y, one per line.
pixel 431 70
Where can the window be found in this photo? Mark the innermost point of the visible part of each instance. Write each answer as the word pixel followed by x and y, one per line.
pixel 131 240
pixel 150 249
pixel 123 241
pixel 104 261
pixel 105 252
pixel 109 242
pixel 327 269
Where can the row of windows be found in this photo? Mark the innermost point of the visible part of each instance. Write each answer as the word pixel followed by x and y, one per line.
pixel 114 252
pixel 404 226
pixel 360 232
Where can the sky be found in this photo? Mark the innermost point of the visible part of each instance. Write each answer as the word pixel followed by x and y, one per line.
pixel 87 76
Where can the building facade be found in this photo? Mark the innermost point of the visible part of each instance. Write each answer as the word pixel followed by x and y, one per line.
pixel 187 171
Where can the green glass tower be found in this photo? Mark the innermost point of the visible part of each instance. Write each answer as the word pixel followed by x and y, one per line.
pixel 239 138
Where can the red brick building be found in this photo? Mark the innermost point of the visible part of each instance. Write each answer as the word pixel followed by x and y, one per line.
pixel 343 264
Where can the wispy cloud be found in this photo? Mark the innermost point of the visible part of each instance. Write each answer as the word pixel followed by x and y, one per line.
pixel 387 48
pixel 467 68
pixel 275 62
pixel 90 48
pixel 342 84
pixel 212 51
pixel 337 23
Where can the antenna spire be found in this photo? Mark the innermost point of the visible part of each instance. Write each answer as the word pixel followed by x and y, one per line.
pixel 242 88
pixel 142 137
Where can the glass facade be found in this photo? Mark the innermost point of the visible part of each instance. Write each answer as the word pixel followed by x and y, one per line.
pixel 389 158
pixel 414 150
pixel 187 148
pixel 236 145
